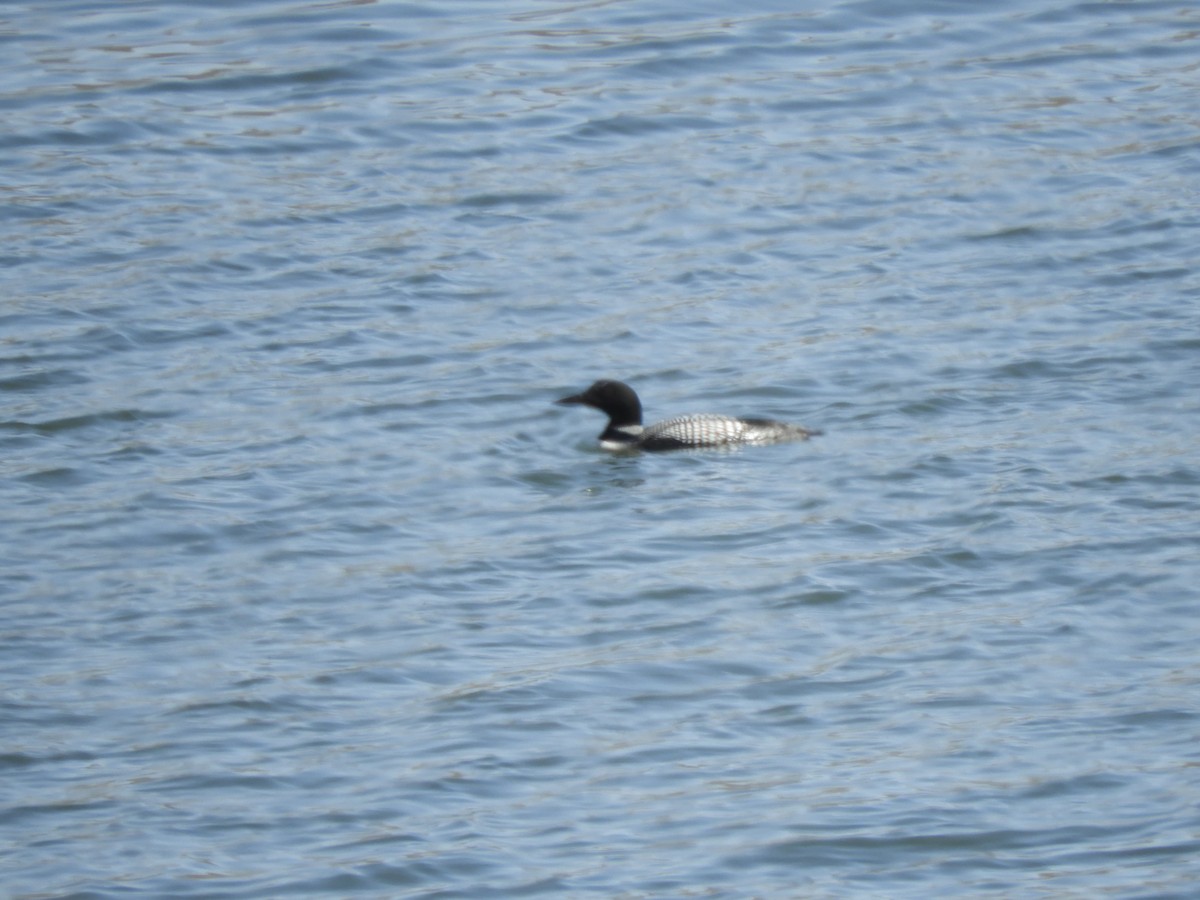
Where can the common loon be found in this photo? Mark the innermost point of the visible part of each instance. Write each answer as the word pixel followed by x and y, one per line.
pixel 625 430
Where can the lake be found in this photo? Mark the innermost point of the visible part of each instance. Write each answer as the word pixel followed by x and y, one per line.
pixel 309 589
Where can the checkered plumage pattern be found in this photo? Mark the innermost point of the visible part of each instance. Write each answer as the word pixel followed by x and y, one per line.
pixel 715 431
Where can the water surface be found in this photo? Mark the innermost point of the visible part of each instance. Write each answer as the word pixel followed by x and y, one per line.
pixel 309 590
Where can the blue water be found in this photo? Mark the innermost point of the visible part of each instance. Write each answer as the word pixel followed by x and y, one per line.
pixel 307 588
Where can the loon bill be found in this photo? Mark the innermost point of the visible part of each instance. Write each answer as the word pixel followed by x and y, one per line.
pixel 626 432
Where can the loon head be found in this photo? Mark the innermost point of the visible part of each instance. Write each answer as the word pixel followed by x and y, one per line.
pixel 615 398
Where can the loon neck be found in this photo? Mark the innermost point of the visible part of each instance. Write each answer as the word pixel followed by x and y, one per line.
pixel 616 437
